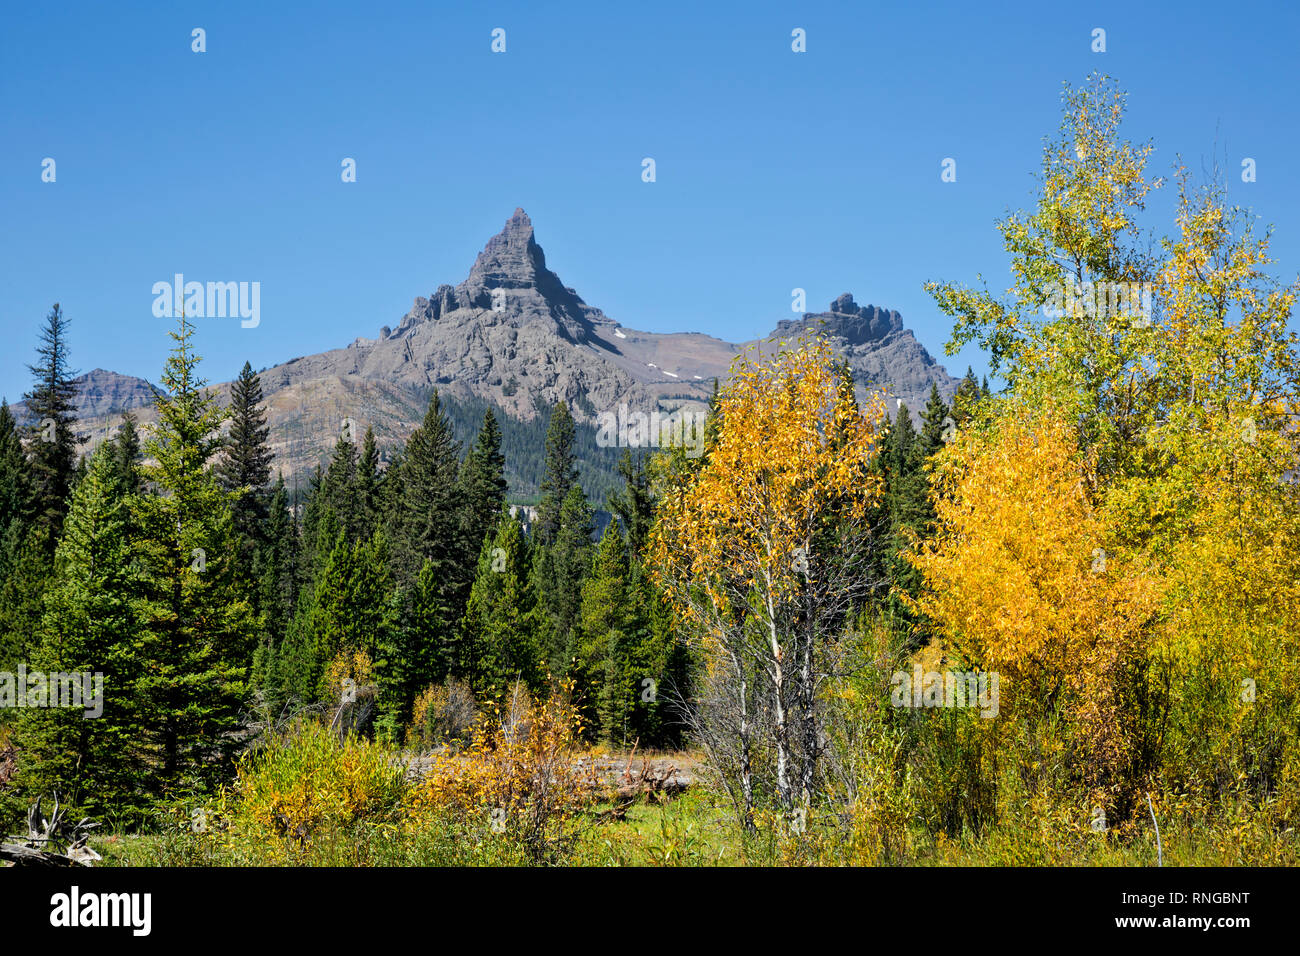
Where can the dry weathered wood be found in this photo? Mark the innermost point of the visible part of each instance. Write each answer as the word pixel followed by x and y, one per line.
pixel 51 842
pixel 21 855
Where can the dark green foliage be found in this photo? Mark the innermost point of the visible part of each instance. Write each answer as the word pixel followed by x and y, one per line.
pixel 277 590
pixel 52 440
pixel 245 468
pixel 369 487
pixel 125 456
pixel 633 504
pixel 426 523
pixel 558 572
pixel 483 483
pixel 14 494
pixel 934 423
pixel 348 610
pixel 90 626
pixel 503 632
pixel 560 473
pixel 199 631
pixel 422 647
pixel 968 396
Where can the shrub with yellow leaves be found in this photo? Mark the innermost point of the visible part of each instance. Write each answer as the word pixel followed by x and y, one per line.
pixel 305 781
pixel 522 774
pixel 1023 580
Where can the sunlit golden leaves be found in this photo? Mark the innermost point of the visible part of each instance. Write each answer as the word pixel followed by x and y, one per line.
pixel 791 457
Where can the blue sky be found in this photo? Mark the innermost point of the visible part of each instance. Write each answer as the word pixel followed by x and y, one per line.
pixel 775 170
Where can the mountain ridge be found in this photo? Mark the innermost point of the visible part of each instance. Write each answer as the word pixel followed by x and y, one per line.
pixel 513 336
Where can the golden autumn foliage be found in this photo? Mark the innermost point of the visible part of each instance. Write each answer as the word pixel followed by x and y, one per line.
pixel 792 455
pixel 763 551
pixel 1023 579
pixel 1157 443
pixel 302 782
pixel 522 772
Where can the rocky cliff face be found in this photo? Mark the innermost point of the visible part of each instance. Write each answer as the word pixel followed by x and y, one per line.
pixel 512 335
pixel 883 354
pixel 101 393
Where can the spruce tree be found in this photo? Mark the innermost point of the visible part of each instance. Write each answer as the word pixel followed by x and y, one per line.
pixel 560 472
pixel 52 440
pixel 634 503
pixel 245 469
pixel 369 490
pixel 502 631
pixel 483 483
pixel 90 626
pixel 428 515
pixel 199 630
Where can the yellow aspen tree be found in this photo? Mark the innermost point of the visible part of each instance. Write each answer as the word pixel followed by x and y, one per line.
pixel 763 550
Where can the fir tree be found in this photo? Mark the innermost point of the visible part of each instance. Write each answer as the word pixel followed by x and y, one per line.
pixel 483 483
pixel 428 514
pixel 51 450
pixel 90 626
pixel 245 469
pixel 634 503
pixel 125 456
pixel 199 631
pixel 560 473
pixel 502 632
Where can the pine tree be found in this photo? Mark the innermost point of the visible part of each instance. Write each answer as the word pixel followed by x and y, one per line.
pixel 199 631
pixel 52 441
pixel 483 483
pixel 934 423
pixel 560 472
pixel 634 503
pixel 558 572
pixel 245 469
pixel 91 627
pixel 125 458
pixel 369 490
pixel 13 490
pixel 428 514
pixel 502 632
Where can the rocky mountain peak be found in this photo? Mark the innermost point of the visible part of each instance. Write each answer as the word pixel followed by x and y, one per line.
pixel 512 258
pixel 854 324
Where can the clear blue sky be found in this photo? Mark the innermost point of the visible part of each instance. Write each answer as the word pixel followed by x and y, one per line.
pixel 775 170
